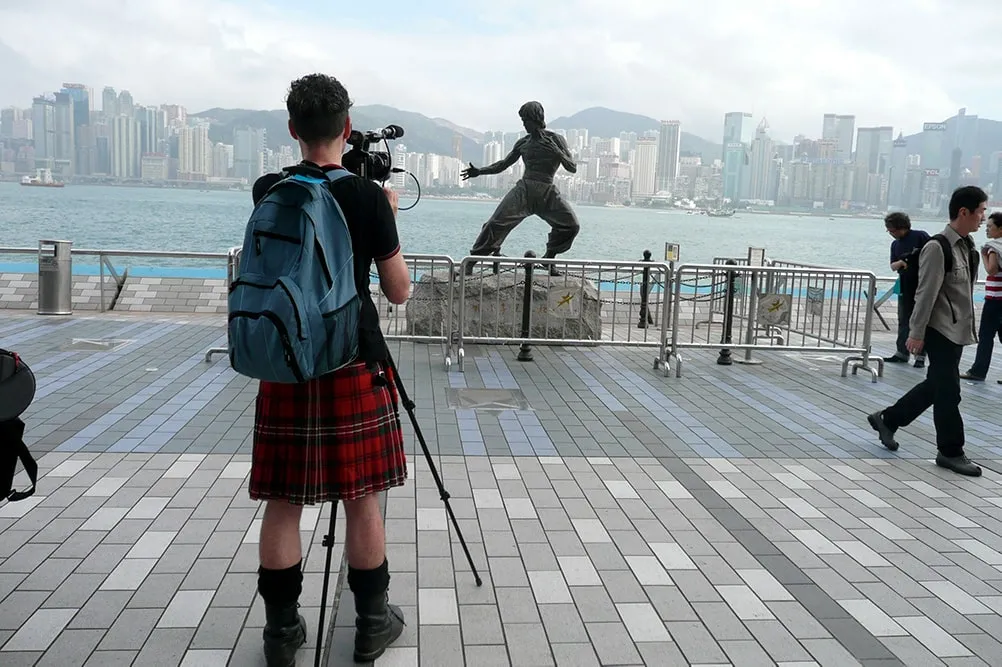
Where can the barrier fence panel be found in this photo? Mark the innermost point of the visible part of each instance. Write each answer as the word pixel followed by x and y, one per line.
pixel 232 266
pixel 778 309
pixel 570 302
pixel 428 314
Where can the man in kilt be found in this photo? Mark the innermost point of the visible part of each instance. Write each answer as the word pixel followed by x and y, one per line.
pixel 338 437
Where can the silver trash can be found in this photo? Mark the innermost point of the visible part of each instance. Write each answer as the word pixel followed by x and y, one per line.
pixel 55 278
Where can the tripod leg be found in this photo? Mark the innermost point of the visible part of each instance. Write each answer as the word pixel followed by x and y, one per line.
pixel 328 542
pixel 409 406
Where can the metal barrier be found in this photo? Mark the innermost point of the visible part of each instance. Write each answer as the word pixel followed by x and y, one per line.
pixel 232 267
pixel 794 309
pixel 429 312
pixel 755 256
pixel 572 302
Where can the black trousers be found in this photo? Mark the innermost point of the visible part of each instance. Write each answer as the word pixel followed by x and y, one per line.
pixel 525 199
pixel 940 390
pixel 906 304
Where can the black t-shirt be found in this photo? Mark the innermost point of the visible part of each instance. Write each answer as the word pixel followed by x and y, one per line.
pixel 373 230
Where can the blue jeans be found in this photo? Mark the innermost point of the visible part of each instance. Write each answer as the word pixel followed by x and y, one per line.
pixel 991 325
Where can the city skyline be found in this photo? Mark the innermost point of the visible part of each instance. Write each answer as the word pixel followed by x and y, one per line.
pixel 787 62
pixel 824 128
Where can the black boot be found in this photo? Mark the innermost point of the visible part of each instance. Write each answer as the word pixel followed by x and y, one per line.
pixel 284 633
pixel 378 625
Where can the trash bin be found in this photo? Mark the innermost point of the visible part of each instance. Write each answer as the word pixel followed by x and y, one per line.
pixel 55 278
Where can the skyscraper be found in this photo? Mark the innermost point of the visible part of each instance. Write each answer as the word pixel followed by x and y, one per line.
pixel 125 147
pixel 873 148
pixel 761 164
pixel 738 135
pixel 897 172
pixel 669 142
pixel 43 122
pixel 645 165
pixel 839 128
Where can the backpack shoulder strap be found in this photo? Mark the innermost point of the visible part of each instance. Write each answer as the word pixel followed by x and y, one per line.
pixel 336 174
pixel 944 243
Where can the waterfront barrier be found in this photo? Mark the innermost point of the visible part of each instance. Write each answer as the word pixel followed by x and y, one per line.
pixel 775 308
pixel 519 301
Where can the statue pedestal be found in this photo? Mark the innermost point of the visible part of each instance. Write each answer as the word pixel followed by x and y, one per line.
pixel 563 308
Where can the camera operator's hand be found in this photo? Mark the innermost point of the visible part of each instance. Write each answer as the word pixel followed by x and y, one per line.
pixel 470 172
pixel 393 198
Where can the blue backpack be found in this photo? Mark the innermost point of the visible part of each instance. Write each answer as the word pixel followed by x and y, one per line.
pixel 293 306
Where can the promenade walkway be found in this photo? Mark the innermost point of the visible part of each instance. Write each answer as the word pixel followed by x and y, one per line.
pixel 741 515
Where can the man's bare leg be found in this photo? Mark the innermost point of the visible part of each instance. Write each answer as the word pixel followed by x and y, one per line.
pixel 280 582
pixel 378 623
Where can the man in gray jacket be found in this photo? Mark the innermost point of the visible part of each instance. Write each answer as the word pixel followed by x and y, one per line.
pixel 941 324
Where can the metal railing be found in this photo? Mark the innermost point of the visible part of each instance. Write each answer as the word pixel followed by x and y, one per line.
pixel 616 303
pixel 428 314
pixel 778 309
pixel 232 267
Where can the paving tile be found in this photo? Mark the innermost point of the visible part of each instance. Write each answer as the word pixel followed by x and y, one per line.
pixel 40 630
pixel 933 637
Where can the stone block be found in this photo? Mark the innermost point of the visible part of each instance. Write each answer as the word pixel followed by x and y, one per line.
pixel 566 307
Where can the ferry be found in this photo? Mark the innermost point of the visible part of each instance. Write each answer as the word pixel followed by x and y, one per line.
pixel 42 179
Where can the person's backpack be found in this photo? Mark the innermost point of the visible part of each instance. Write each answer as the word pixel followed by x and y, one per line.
pixel 293 307
pixel 17 390
pixel 909 276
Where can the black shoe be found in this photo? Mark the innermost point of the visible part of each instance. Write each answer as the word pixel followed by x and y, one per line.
pixel 959 464
pixel 886 432
pixel 284 633
pixel 920 362
pixel 972 377
pixel 377 625
pixel 895 360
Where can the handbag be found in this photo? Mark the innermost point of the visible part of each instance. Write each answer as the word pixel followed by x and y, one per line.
pixel 17 391
pixel 17 385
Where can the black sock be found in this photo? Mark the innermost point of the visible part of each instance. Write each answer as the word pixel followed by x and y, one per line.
pixel 280 587
pixel 367 583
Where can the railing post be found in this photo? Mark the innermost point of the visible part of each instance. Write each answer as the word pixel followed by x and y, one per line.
pixel 525 350
pixel 724 358
pixel 645 286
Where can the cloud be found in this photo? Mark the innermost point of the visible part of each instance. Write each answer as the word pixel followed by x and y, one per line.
pixel 887 61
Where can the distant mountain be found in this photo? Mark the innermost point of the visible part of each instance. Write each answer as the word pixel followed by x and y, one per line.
pixel 602 122
pixel 435 135
pixel 421 134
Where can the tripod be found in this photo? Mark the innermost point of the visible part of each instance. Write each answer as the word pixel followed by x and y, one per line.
pixel 328 540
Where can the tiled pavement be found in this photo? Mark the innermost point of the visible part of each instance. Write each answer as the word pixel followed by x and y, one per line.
pixel 740 515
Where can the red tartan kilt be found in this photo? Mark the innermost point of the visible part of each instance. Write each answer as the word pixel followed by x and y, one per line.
pixel 337 437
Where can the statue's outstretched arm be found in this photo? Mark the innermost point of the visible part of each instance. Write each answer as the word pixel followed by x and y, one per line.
pixel 509 160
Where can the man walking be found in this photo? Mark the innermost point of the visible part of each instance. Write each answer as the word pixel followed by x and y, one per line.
pixel 906 241
pixel 337 437
pixel 942 323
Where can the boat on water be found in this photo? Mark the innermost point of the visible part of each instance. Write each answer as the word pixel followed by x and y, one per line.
pixel 720 213
pixel 42 179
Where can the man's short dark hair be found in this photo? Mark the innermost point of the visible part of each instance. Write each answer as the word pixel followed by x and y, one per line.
pixel 969 197
pixel 318 107
pixel 898 220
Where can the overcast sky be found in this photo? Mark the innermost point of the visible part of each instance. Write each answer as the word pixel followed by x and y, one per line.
pixel 894 62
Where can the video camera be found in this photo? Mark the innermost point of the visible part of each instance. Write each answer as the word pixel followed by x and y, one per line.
pixel 375 165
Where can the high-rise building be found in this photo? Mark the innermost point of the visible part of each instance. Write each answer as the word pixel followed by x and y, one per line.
pixel 839 128
pixel 109 103
pixel 873 148
pixel 43 121
pixel 248 152
pixel 738 135
pixel 645 164
pixel 8 117
pixel 898 172
pixel 125 157
pixel 761 164
pixel 65 148
pixel 669 142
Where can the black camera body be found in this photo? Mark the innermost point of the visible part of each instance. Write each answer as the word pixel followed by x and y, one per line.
pixel 374 165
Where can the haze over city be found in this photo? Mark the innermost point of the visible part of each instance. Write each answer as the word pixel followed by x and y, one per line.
pixel 891 63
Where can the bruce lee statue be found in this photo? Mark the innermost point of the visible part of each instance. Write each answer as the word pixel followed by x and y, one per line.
pixel 543 152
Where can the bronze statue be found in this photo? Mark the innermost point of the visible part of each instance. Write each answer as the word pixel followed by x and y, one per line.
pixel 543 152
